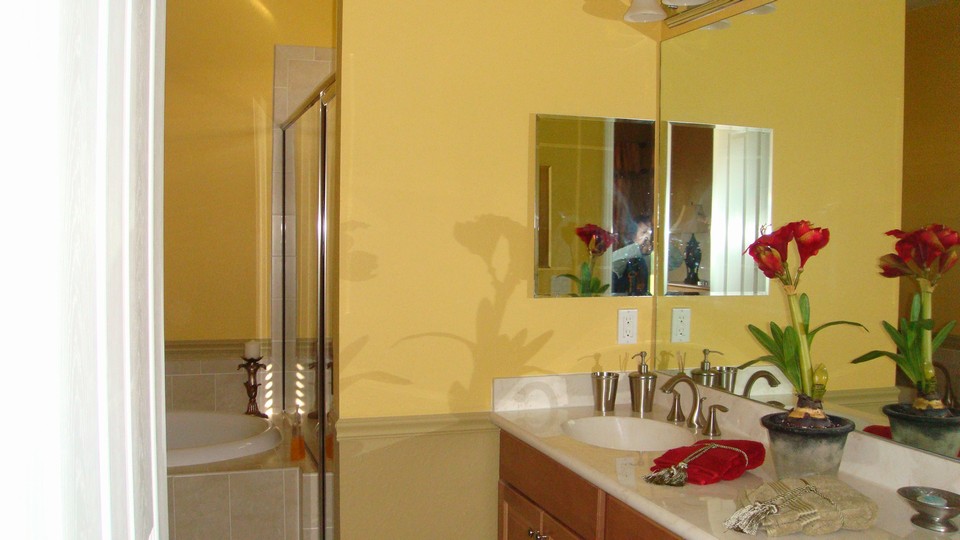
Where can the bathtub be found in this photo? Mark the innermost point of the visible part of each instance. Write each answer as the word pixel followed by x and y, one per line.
pixel 195 437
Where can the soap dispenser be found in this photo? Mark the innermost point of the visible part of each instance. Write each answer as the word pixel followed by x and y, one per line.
pixel 642 384
pixel 705 375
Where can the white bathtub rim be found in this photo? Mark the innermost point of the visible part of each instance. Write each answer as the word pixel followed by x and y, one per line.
pixel 266 437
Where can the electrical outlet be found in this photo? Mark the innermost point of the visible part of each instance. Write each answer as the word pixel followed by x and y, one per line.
pixel 680 325
pixel 627 326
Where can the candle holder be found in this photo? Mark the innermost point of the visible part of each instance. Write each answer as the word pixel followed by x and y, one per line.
pixel 252 365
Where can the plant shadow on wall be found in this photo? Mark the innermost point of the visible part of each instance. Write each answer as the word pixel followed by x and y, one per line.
pixel 502 244
pixel 359 266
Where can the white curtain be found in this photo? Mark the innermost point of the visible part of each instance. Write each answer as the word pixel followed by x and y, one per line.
pixel 741 206
pixel 82 208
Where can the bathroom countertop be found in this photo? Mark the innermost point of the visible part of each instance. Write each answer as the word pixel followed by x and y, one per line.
pixel 534 408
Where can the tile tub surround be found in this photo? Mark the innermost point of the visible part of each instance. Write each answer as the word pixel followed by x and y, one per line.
pixel 260 497
pixel 255 505
pixel 874 466
pixel 203 376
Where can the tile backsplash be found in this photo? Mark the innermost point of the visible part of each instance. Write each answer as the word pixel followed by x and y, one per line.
pixel 204 376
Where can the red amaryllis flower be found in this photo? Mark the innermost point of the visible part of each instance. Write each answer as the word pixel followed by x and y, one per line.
pixel 597 239
pixel 891 265
pixel 770 252
pixel 932 250
pixel 810 240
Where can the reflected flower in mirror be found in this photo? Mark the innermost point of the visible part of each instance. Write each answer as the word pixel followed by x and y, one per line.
pixel 598 240
pixel 923 255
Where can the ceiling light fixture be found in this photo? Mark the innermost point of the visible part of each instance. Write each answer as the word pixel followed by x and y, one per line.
pixel 643 11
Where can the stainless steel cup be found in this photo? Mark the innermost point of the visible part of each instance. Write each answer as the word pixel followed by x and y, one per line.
pixel 605 390
pixel 726 378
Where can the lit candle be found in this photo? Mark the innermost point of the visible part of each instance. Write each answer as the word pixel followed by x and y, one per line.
pixel 251 349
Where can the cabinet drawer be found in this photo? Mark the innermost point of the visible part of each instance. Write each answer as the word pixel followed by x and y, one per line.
pixel 556 489
pixel 624 523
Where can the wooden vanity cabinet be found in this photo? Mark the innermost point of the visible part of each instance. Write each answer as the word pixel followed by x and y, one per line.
pixel 540 496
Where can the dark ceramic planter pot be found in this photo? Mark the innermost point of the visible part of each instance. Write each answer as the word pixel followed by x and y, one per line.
pixel 800 452
pixel 938 435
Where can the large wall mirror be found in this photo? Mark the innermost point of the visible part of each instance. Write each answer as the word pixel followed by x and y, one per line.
pixel 816 89
pixel 594 206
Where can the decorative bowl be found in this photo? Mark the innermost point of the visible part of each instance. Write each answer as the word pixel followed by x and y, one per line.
pixel 935 506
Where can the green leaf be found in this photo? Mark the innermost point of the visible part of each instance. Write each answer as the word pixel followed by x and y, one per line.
pixel 805 312
pixel 915 307
pixel 776 332
pixel 829 324
pixel 766 341
pixel 754 361
pixel 791 357
pixel 571 277
pixel 942 335
pixel 899 340
pixel 866 357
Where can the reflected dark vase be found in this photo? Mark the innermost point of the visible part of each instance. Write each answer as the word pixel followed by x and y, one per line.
pixel 798 451
pixel 937 435
pixel 692 256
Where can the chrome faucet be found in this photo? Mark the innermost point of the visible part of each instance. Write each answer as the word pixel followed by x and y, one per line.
pixel 762 374
pixel 695 420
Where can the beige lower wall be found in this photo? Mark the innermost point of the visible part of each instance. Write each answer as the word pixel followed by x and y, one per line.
pixel 418 477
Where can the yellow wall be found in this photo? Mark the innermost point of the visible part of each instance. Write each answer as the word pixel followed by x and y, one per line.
pixel 219 80
pixel 931 160
pixel 827 76
pixel 437 136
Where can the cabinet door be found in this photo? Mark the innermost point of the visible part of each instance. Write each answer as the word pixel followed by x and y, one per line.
pixel 519 518
pixel 552 530
pixel 622 522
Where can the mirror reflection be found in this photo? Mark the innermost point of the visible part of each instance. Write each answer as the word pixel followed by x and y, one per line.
pixel 594 206
pixel 717 200
pixel 833 95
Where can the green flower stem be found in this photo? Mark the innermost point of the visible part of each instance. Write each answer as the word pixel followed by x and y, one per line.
pixel 806 367
pixel 926 337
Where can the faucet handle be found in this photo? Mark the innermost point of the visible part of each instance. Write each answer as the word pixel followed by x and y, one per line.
pixel 676 412
pixel 712 428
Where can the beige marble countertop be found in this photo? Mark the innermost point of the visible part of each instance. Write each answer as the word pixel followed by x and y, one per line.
pixel 534 408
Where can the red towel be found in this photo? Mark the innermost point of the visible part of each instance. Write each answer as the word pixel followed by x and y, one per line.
pixel 880 431
pixel 715 464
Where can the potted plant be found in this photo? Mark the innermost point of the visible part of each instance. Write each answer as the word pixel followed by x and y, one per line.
pixel 598 240
pixel 804 440
pixel 924 256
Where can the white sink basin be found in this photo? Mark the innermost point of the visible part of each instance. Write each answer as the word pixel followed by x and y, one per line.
pixel 628 433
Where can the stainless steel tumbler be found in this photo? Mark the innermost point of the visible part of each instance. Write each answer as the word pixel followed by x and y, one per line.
pixel 605 390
